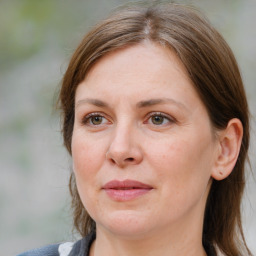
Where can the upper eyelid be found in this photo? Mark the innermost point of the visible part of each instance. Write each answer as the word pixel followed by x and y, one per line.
pixel 95 114
pixel 155 113
pixel 98 113
pixel 86 117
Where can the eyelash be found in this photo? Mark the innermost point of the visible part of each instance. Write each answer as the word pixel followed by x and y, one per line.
pixel 88 118
pixel 160 114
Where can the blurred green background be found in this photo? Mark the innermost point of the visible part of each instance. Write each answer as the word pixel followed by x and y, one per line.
pixel 37 39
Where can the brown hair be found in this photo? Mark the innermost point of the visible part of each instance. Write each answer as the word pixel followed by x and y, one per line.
pixel 213 70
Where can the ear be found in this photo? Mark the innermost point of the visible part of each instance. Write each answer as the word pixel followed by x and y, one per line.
pixel 229 141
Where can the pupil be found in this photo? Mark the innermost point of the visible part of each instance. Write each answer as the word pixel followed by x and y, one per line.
pixel 97 120
pixel 157 119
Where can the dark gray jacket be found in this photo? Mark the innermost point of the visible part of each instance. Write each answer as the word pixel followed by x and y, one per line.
pixel 79 248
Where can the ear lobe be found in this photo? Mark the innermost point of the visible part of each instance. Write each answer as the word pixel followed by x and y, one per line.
pixel 229 147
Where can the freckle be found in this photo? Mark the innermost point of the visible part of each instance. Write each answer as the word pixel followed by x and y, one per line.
pixel 164 156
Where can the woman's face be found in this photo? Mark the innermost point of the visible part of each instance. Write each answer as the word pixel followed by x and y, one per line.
pixel 143 147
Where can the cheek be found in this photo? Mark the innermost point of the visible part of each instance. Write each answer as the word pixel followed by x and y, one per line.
pixel 182 164
pixel 86 161
pixel 87 158
pixel 182 177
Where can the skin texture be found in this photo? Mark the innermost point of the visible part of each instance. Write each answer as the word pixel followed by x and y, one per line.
pixel 138 117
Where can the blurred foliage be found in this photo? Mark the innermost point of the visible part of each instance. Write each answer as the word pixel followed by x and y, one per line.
pixel 28 27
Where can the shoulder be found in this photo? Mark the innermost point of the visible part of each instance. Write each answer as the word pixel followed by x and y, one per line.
pixel 81 247
pixel 62 249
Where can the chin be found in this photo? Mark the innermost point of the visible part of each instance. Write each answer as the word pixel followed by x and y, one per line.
pixel 127 224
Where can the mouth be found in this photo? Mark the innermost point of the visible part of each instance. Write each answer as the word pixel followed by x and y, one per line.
pixel 126 190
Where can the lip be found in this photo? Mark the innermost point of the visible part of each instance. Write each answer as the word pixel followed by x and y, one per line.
pixel 126 190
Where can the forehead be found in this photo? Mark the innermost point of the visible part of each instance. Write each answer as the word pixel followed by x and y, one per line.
pixel 143 54
pixel 144 65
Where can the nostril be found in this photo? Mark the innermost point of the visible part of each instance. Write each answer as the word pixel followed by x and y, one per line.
pixel 130 159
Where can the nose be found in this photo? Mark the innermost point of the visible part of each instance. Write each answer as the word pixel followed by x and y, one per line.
pixel 124 148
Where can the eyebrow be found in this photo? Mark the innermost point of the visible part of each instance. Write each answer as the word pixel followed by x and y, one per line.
pixel 95 102
pixel 152 102
pixel 140 104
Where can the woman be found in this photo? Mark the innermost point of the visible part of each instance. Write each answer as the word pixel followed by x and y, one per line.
pixel 155 118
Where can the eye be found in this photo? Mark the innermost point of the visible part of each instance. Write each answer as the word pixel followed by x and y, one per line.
pixel 159 119
pixel 94 119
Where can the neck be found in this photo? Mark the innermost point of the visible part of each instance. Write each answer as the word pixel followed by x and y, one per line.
pixel 166 243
